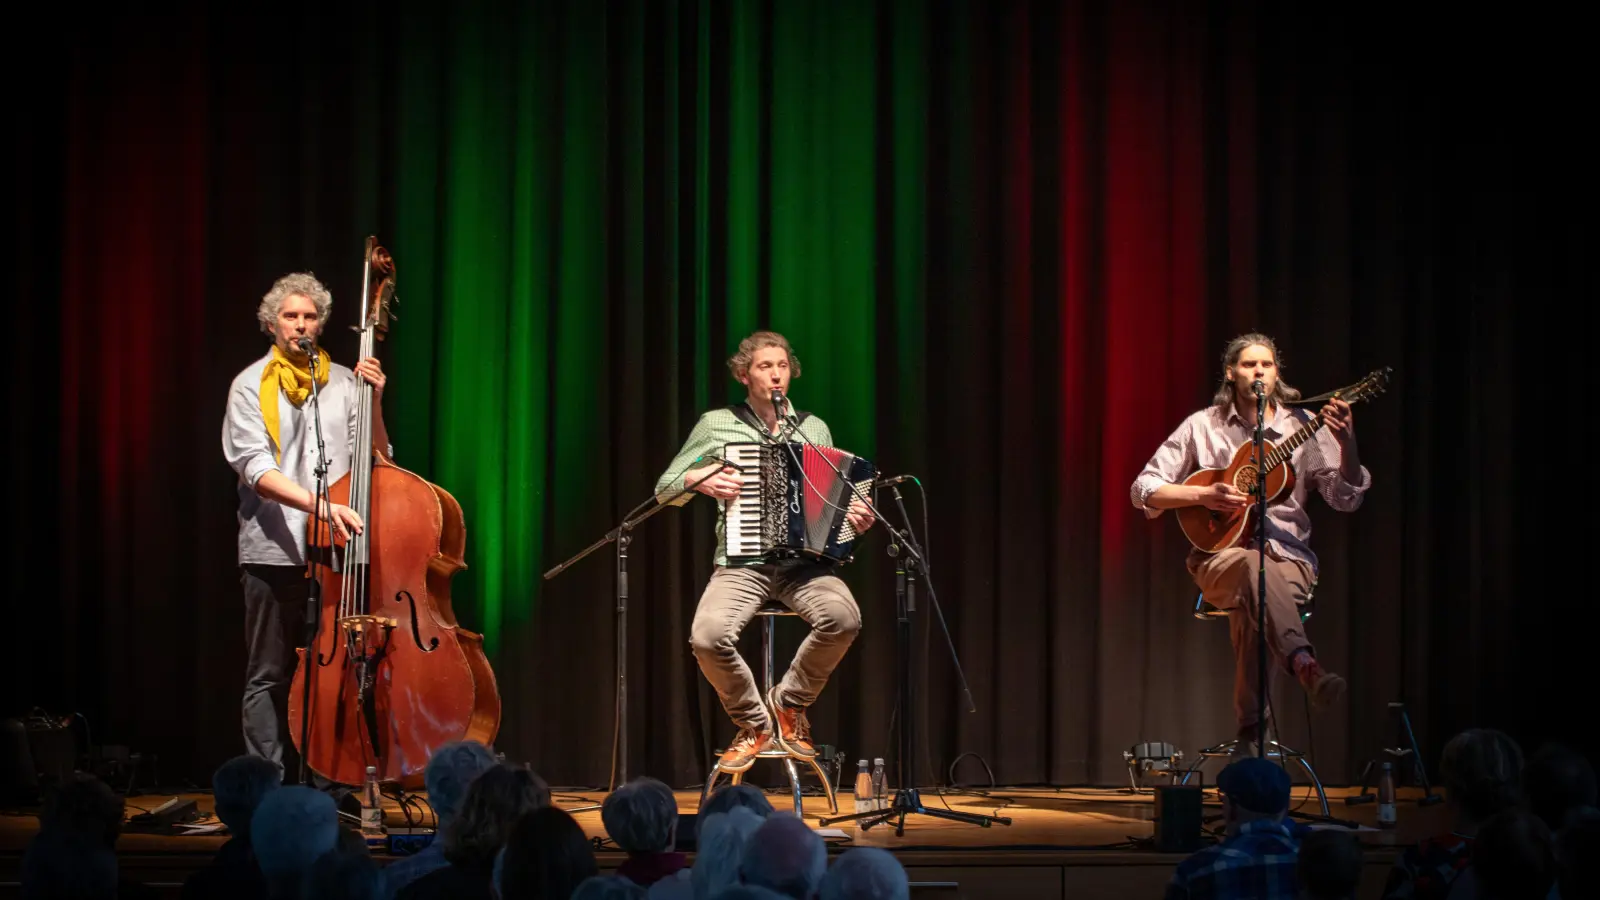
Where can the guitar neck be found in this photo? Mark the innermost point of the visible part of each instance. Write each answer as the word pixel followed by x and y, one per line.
pixel 1281 453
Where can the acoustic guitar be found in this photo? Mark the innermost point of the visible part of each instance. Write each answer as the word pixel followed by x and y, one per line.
pixel 1212 530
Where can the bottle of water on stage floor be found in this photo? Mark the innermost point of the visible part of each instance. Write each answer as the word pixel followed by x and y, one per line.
pixel 372 830
pixel 863 787
pixel 880 786
pixel 1386 797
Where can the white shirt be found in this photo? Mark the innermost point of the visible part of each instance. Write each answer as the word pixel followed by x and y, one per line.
pixel 269 532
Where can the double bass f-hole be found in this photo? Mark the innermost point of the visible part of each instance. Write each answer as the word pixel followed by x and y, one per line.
pixel 416 630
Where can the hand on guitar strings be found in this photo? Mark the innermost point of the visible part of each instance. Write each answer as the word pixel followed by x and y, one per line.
pixel 1341 424
pixel 1223 497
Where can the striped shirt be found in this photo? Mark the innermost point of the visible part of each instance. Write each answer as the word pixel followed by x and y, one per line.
pixel 1209 438
pixel 715 430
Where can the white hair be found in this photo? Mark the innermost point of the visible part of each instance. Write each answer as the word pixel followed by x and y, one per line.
pixel 641 816
pixel 866 873
pixel 719 849
pixel 450 771
pixel 785 855
pixel 303 283
pixel 291 828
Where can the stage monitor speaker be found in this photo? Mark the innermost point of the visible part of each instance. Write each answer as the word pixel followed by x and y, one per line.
pixel 1177 819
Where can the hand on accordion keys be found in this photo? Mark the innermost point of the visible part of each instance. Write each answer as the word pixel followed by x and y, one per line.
pixel 860 516
pixel 723 484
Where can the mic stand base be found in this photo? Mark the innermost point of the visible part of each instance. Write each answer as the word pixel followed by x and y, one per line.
pixel 908 802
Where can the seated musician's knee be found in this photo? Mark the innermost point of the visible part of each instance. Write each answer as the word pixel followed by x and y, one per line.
pixel 841 617
pixel 711 637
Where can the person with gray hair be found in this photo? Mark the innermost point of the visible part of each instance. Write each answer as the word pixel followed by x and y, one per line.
pixel 291 829
pixel 239 785
pixel 450 771
pixel 720 848
pixel 268 439
pixel 608 887
pixel 730 796
pixel 866 873
pixel 641 817
pixel 786 856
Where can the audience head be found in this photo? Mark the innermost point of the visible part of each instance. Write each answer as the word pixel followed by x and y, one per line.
pixel 1514 857
pixel 547 855
pixel 450 770
pixel 1329 865
pixel 1558 780
pixel 786 856
pixel 866 873
pixel 749 892
pixel 1253 788
pixel 608 887
pixel 1482 771
pixel 83 806
pixel 730 796
pixel 343 874
pixel 494 802
pixel 641 816
pixel 1577 850
pixel 292 828
pixel 238 786
pixel 66 866
pixel 720 848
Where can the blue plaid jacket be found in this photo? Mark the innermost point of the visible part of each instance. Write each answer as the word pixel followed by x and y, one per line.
pixel 1257 863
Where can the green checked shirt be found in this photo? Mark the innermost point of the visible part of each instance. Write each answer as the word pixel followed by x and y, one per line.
pixel 715 430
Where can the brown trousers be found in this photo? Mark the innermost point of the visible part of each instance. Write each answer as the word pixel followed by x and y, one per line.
pixel 1228 581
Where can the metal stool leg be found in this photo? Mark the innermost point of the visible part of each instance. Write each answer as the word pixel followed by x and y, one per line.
pixel 794 785
pixel 827 785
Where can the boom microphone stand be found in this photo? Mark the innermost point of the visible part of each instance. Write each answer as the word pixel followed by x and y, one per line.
pixel 319 496
pixel 1261 569
pixel 622 536
pixel 907 800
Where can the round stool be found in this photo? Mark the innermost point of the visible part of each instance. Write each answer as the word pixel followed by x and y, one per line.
pixel 769 614
pixel 1274 750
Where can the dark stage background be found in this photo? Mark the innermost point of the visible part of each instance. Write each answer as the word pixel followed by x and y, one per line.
pixel 1008 240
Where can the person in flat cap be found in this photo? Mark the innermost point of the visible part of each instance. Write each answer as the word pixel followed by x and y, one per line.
pixel 1258 856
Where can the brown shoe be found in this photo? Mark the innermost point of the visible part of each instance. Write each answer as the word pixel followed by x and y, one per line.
pixel 741 754
pixel 794 729
pixel 1323 686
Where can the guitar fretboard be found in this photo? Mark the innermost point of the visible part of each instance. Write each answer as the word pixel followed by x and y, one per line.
pixel 1283 451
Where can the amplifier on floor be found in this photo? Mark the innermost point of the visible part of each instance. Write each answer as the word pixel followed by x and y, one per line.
pixel 1177 820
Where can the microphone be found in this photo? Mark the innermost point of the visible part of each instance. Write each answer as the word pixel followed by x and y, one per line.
pixel 779 402
pixel 1259 387
pixel 305 345
pixel 886 482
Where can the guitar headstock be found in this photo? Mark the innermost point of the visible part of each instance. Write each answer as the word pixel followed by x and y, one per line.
pixel 1372 385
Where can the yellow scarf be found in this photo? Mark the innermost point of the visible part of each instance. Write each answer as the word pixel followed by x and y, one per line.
pixel 282 372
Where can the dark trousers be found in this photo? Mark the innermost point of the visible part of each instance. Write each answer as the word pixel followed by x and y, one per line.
pixel 274 627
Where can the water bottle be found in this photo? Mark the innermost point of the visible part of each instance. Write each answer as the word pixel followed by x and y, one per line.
pixel 372 830
pixel 1386 797
pixel 863 787
pixel 880 786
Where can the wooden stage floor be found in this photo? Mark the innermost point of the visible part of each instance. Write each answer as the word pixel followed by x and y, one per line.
pixel 1067 842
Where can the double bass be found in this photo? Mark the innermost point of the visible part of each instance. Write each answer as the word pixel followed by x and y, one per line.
pixel 391 676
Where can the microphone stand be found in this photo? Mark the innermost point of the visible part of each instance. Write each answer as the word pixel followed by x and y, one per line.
pixel 622 536
pixel 907 800
pixel 1261 570
pixel 319 496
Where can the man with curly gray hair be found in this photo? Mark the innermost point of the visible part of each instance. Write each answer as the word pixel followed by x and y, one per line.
pixel 764 364
pixel 268 439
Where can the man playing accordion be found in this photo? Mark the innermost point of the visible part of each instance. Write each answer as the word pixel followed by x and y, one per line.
pixel 738 588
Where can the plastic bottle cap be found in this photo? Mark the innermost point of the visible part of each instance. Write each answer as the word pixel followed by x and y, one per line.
pixel 877 762
pixel 861 762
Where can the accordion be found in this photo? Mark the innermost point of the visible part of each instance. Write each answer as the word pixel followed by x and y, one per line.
pixel 793 502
